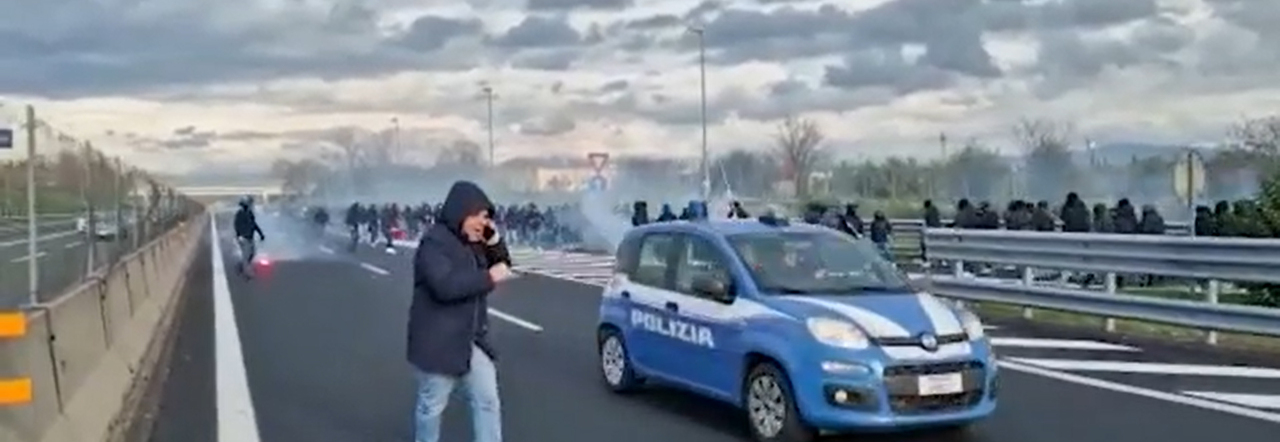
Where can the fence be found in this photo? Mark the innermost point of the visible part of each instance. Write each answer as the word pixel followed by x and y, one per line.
pixel 70 209
pixel 1212 260
pixel 71 361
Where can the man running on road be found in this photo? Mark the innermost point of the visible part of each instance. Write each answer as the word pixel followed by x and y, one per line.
pixel 246 226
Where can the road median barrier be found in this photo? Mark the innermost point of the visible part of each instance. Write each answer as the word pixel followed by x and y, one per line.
pixel 69 368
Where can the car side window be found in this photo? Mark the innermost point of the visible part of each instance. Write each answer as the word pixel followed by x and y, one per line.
pixel 654 260
pixel 700 257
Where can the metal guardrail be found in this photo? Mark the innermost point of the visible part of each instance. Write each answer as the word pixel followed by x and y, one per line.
pixel 1211 259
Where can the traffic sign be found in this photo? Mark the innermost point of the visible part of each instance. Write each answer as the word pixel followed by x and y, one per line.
pixel 6 138
pixel 598 161
pixel 1188 176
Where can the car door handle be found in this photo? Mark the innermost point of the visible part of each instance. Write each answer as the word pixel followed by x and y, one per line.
pixel 626 294
pixel 671 306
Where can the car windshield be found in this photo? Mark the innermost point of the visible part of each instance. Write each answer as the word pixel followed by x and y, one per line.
pixel 817 262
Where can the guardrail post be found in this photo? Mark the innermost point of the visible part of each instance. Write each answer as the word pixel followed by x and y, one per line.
pixel 1110 282
pixel 1028 278
pixel 958 269
pixel 1211 296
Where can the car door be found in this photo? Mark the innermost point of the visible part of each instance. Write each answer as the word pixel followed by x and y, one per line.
pixel 646 293
pixel 708 343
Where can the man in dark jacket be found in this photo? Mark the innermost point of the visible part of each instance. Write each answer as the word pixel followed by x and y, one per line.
pixel 246 225
pixel 458 263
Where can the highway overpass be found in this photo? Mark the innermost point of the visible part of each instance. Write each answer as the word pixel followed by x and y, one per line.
pixel 210 194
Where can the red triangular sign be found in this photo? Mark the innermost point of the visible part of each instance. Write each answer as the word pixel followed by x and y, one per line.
pixel 598 160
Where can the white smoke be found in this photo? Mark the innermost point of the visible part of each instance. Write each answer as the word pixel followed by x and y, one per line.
pixel 597 209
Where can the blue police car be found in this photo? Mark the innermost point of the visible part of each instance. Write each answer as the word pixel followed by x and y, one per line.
pixel 808 330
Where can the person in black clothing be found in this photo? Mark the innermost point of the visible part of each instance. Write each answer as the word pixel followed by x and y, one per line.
pixel 246 225
pixel 666 214
pixel 459 262
pixel 965 216
pixel 1151 223
pixel 931 216
pixel 737 212
pixel 639 213
pixel 853 219
pixel 1041 219
pixel 1074 214
pixel 1126 219
pixel 1102 219
pixel 882 234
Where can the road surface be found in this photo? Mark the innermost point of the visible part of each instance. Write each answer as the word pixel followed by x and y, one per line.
pixel 321 337
pixel 63 260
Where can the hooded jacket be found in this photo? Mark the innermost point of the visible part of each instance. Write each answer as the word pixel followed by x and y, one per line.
pixel 449 311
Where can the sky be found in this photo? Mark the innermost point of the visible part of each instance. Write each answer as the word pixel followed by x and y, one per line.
pixel 190 86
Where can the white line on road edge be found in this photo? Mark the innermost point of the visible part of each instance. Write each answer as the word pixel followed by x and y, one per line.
pixel 1264 401
pixel 326 250
pixel 73 245
pixel 42 238
pixel 1144 392
pixel 514 320
pixel 1060 344
pixel 1152 368
pixel 374 269
pixel 28 257
pixel 237 421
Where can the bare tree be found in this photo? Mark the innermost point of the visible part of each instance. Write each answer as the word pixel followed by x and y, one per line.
pixel 1046 149
pixel 799 148
pixel 1259 136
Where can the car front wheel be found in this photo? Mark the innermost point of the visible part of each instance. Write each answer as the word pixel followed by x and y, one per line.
pixel 615 363
pixel 771 409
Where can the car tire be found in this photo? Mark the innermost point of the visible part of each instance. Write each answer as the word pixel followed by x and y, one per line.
pixel 766 392
pixel 615 363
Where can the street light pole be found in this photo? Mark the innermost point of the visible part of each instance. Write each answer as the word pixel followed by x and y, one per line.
pixel 33 247
pixel 488 95
pixel 702 89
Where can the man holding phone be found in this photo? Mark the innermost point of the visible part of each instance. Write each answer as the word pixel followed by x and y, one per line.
pixel 459 261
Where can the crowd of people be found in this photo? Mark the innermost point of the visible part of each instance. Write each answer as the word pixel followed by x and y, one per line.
pixel 524 224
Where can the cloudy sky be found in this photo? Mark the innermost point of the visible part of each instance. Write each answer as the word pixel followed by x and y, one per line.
pixel 183 85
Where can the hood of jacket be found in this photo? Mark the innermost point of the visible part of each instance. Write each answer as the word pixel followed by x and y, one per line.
pixel 465 198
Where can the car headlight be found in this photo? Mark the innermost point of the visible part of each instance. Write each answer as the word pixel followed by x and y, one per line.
pixel 971 323
pixel 837 333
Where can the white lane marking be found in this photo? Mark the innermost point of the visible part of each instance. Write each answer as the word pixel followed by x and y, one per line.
pixel 375 269
pixel 42 238
pixel 326 250
pixel 1263 401
pixel 28 257
pixel 990 327
pixel 514 320
pixel 73 245
pixel 1060 344
pixel 1152 368
pixel 237 420
pixel 1144 392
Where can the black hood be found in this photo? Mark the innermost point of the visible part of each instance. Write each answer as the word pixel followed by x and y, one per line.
pixel 465 198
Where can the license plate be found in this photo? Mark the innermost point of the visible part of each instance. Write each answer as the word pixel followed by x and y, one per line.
pixel 940 384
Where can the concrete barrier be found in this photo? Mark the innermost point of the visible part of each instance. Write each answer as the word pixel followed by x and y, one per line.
pixel 83 354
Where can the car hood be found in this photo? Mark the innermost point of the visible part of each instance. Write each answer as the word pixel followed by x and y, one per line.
pixel 880 315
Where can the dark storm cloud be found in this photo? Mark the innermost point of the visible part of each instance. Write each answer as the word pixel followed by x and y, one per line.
pixel 539 32
pixel 564 5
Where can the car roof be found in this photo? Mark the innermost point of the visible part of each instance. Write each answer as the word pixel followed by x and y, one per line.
pixel 720 227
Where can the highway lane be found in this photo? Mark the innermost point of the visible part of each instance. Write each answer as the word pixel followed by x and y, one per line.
pixel 15 229
pixel 322 339
pixel 63 259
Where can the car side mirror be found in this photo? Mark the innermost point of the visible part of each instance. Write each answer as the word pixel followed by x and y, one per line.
pixel 713 288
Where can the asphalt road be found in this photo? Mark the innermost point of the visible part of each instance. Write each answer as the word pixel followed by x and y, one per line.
pixel 321 334
pixel 63 258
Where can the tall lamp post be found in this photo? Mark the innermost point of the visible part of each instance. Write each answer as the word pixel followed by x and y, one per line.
pixel 489 96
pixel 702 89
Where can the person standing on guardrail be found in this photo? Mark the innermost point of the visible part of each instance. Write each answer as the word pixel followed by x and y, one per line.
pixel 459 261
pixel 246 225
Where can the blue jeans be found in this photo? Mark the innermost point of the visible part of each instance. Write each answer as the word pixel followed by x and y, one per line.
pixel 479 388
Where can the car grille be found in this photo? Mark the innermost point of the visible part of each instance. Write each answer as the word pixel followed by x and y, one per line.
pixel 904 398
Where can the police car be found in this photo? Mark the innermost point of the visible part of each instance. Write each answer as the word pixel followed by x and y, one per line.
pixel 808 330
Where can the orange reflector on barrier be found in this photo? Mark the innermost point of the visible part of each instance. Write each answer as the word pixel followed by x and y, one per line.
pixel 15 391
pixel 13 324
